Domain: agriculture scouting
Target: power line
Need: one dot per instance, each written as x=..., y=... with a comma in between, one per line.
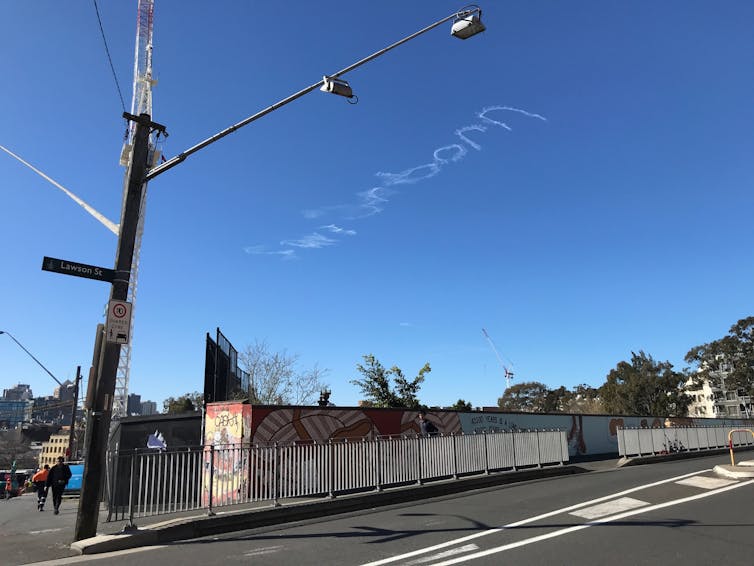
x=107, y=50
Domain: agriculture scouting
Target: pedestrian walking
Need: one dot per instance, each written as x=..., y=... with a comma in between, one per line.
x=8, y=486
x=40, y=483
x=57, y=479
x=426, y=426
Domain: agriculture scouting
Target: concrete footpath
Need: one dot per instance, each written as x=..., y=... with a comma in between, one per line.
x=114, y=536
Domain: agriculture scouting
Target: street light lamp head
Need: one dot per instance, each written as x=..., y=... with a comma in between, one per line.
x=337, y=86
x=468, y=22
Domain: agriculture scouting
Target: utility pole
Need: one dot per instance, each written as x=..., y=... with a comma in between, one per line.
x=71, y=453
x=104, y=388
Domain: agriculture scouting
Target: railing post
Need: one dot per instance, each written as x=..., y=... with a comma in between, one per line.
x=418, y=460
x=621, y=435
x=513, y=445
x=486, y=455
x=561, y=436
x=114, y=459
x=455, y=457
x=638, y=439
x=275, y=475
x=131, y=526
x=378, y=463
x=330, y=470
x=539, y=452
x=211, y=479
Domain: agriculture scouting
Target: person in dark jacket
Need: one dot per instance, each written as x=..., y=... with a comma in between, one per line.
x=57, y=479
x=426, y=426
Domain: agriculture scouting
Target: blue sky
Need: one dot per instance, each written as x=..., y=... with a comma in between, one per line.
x=612, y=214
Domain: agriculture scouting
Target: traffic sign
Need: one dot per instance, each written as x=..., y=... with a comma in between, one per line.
x=78, y=269
x=118, y=327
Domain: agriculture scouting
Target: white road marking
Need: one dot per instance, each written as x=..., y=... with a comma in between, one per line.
x=529, y=520
x=568, y=530
x=45, y=531
x=609, y=508
x=706, y=482
x=446, y=554
x=264, y=550
x=92, y=557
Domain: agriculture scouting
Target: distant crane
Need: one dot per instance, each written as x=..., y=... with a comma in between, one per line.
x=141, y=103
x=508, y=373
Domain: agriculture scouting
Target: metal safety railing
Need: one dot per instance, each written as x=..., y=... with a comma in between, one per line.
x=655, y=441
x=730, y=440
x=147, y=482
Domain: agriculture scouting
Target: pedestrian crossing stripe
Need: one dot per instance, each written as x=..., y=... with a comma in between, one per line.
x=705, y=482
x=609, y=508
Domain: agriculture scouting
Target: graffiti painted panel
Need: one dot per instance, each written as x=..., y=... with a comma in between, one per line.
x=226, y=426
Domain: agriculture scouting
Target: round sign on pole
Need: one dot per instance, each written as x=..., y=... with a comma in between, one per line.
x=119, y=310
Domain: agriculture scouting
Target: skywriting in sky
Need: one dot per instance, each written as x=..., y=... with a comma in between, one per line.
x=374, y=200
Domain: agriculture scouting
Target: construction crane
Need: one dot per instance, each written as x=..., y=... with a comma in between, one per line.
x=141, y=102
x=507, y=372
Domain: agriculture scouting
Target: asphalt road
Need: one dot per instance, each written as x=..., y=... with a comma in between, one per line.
x=27, y=535
x=666, y=513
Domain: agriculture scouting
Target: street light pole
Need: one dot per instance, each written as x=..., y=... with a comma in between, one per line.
x=467, y=23
x=104, y=388
x=471, y=13
x=71, y=436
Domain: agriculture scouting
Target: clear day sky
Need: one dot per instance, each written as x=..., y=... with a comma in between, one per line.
x=612, y=214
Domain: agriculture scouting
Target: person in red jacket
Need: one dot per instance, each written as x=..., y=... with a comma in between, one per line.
x=40, y=482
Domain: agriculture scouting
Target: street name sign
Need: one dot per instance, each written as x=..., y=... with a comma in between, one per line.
x=118, y=325
x=78, y=269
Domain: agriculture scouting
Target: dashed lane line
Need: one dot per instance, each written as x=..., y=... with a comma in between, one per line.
x=446, y=554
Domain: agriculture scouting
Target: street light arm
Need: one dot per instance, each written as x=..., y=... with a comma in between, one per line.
x=170, y=163
x=32, y=356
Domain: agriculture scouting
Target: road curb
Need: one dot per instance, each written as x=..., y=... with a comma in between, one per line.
x=200, y=526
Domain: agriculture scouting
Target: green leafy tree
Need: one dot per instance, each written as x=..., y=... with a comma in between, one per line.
x=584, y=399
x=730, y=358
x=645, y=387
x=528, y=396
x=186, y=403
x=376, y=386
x=461, y=405
x=556, y=400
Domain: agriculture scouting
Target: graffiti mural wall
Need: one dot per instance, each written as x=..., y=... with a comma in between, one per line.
x=587, y=434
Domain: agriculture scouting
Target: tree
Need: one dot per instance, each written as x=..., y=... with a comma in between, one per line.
x=645, y=387
x=13, y=447
x=275, y=379
x=461, y=405
x=584, y=399
x=186, y=403
x=376, y=386
x=528, y=396
x=730, y=358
